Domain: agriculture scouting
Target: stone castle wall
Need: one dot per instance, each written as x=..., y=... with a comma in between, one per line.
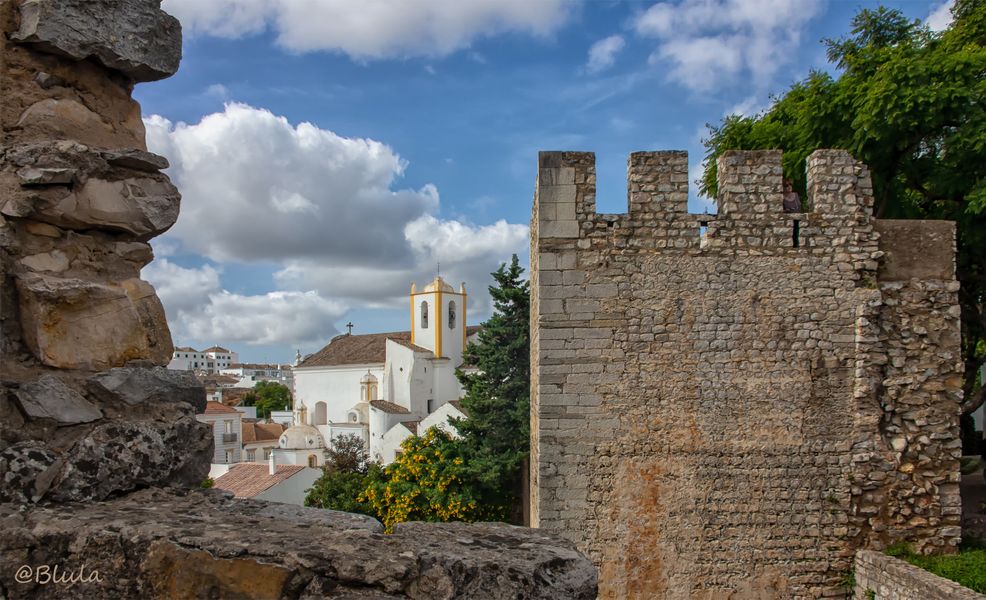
x=738, y=412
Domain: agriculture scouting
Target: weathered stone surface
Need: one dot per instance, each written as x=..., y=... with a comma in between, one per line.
x=880, y=576
x=143, y=207
x=155, y=385
x=46, y=175
x=50, y=398
x=65, y=118
x=201, y=545
x=133, y=158
x=134, y=37
x=77, y=324
x=28, y=469
x=732, y=413
x=121, y=456
x=89, y=439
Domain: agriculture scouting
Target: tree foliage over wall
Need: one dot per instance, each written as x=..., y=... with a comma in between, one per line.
x=909, y=103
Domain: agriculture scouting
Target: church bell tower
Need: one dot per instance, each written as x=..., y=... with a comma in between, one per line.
x=438, y=319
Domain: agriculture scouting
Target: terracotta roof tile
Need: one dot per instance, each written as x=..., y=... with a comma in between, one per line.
x=247, y=480
x=389, y=407
x=412, y=426
x=214, y=408
x=216, y=349
x=249, y=433
x=269, y=431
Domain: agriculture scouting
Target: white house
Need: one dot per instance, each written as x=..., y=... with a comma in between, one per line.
x=227, y=428
x=210, y=360
x=250, y=373
x=381, y=386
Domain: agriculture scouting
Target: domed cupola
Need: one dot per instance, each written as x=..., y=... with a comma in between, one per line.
x=300, y=437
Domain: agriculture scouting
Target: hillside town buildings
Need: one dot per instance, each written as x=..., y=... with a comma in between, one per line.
x=385, y=387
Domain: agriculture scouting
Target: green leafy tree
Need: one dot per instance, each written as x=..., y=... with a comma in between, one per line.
x=268, y=396
x=429, y=481
x=911, y=104
x=496, y=435
x=345, y=477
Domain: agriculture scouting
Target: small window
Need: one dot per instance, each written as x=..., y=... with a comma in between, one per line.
x=451, y=315
x=251, y=456
x=424, y=314
x=267, y=452
x=228, y=426
x=229, y=457
x=312, y=461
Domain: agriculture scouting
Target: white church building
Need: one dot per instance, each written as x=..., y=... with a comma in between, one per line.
x=384, y=387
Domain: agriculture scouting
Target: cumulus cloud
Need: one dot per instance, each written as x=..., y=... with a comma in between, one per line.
x=603, y=53
x=200, y=310
x=254, y=187
x=326, y=209
x=940, y=17
x=371, y=29
x=707, y=42
x=466, y=253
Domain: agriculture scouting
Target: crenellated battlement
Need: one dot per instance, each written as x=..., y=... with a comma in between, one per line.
x=730, y=405
x=750, y=200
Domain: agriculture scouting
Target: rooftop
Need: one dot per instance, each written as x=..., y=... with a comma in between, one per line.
x=247, y=480
x=261, y=432
x=370, y=348
x=216, y=349
x=217, y=408
x=389, y=407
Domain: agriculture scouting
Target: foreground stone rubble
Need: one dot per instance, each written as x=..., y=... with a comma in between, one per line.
x=100, y=451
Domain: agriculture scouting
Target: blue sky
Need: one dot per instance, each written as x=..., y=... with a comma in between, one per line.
x=331, y=152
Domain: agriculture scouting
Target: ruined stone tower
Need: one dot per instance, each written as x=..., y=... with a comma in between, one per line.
x=731, y=405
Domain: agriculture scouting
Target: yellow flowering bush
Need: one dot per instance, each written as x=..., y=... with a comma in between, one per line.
x=428, y=482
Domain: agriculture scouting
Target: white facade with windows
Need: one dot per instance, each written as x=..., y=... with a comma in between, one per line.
x=210, y=360
x=381, y=386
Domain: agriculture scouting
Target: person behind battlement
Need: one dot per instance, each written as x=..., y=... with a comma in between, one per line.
x=792, y=201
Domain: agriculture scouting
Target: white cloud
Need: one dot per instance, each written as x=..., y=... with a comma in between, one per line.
x=254, y=187
x=200, y=310
x=706, y=43
x=941, y=16
x=221, y=18
x=603, y=53
x=371, y=29
x=466, y=253
x=217, y=90
x=324, y=208
x=748, y=107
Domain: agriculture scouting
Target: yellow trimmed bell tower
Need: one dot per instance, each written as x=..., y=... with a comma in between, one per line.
x=438, y=319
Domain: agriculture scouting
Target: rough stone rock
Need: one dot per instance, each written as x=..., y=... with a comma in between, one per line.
x=132, y=158
x=28, y=468
x=48, y=81
x=63, y=118
x=123, y=456
x=134, y=37
x=143, y=207
x=46, y=175
x=50, y=398
x=155, y=385
x=76, y=324
x=160, y=543
x=55, y=261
